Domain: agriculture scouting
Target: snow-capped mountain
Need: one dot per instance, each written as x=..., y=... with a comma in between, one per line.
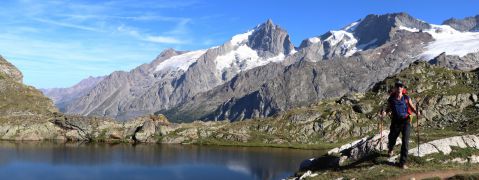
x=259, y=72
x=330, y=65
x=176, y=76
x=364, y=34
x=448, y=40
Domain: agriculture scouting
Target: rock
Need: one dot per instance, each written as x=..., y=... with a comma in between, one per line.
x=471, y=141
x=73, y=135
x=444, y=145
x=347, y=99
x=473, y=159
x=10, y=70
x=363, y=108
x=466, y=24
x=424, y=149
x=146, y=132
x=115, y=135
x=308, y=174
x=459, y=160
x=361, y=148
x=306, y=163
x=474, y=97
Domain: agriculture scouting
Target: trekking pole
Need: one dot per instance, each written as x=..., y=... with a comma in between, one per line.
x=417, y=126
x=381, y=130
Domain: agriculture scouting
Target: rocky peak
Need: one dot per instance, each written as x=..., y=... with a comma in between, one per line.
x=270, y=38
x=168, y=52
x=466, y=24
x=369, y=32
x=10, y=70
x=375, y=30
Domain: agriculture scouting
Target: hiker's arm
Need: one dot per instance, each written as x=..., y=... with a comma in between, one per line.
x=413, y=107
x=386, y=109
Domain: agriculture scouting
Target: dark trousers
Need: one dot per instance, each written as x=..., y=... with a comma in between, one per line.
x=401, y=126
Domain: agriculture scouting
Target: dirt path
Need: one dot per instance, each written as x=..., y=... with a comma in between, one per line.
x=443, y=174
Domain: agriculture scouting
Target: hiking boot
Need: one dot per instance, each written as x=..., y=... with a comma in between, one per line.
x=390, y=153
x=403, y=166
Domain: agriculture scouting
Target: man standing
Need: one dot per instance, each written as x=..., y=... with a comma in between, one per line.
x=399, y=106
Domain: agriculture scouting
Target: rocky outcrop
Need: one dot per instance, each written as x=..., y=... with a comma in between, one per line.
x=17, y=99
x=271, y=39
x=466, y=24
x=349, y=153
x=362, y=147
x=10, y=70
x=444, y=145
x=378, y=28
x=370, y=32
x=468, y=62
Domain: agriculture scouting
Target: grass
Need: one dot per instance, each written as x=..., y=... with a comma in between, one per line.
x=377, y=167
x=17, y=97
x=469, y=176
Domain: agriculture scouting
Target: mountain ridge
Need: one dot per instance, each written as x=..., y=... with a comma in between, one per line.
x=126, y=95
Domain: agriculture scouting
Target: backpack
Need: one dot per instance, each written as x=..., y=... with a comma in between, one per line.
x=409, y=109
x=407, y=99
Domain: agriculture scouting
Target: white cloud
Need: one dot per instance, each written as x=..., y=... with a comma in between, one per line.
x=163, y=39
x=150, y=38
x=68, y=25
x=71, y=40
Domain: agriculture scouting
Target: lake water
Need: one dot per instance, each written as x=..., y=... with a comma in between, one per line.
x=48, y=160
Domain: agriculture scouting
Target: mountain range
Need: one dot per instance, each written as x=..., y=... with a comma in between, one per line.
x=260, y=72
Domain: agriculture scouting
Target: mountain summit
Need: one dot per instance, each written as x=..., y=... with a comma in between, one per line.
x=175, y=76
x=270, y=38
x=259, y=73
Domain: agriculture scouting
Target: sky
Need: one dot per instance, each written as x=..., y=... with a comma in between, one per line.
x=57, y=43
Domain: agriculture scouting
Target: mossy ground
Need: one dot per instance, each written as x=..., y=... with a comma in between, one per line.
x=378, y=167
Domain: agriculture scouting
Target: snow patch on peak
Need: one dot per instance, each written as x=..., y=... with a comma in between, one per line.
x=348, y=42
x=243, y=58
x=448, y=40
x=180, y=62
x=351, y=27
x=314, y=40
x=408, y=29
x=293, y=51
x=240, y=38
x=338, y=36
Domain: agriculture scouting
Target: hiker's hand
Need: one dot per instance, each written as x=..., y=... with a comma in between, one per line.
x=383, y=113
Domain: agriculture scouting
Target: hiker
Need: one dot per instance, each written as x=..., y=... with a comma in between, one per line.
x=400, y=107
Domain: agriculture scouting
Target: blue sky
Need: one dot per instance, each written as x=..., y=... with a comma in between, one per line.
x=56, y=43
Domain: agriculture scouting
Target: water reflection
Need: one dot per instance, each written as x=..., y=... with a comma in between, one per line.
x=40, y=160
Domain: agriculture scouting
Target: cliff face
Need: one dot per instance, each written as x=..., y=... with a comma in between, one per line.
x=17, y=99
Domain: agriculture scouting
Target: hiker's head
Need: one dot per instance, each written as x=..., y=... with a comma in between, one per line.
x=398, y=86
